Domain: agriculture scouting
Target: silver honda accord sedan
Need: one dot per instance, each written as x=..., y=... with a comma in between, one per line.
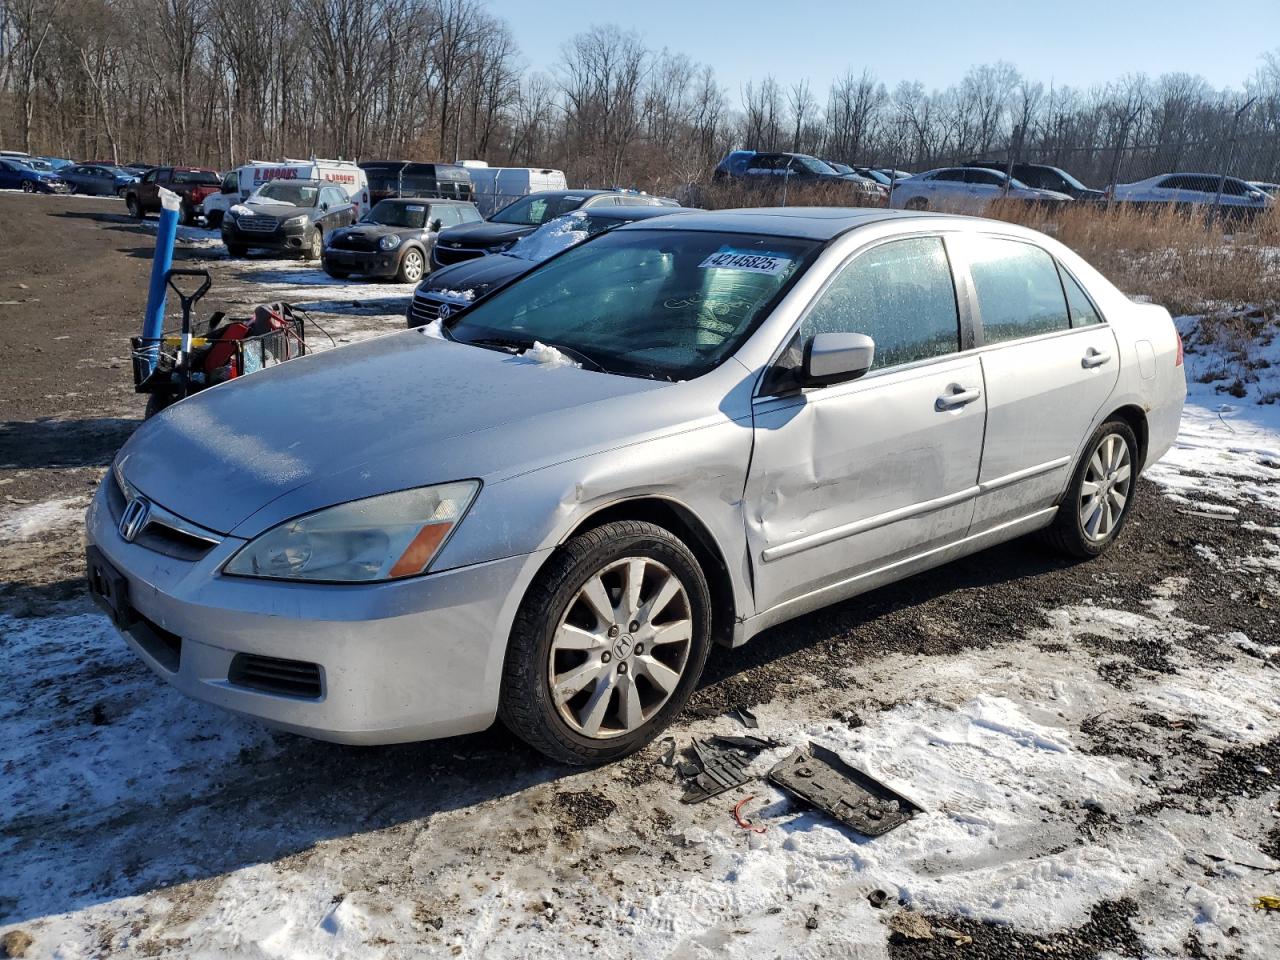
x=683, y=431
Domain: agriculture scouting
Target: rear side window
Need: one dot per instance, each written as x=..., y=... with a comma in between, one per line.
x=956, y=175
x=1019, y=293
x=1083, y=312
x=901, y=295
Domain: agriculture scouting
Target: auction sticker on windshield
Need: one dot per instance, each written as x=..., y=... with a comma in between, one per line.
x=750, y=262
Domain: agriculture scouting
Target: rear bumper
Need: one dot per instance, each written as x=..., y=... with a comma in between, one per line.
x=410, y=660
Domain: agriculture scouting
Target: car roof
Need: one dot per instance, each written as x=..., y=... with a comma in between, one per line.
x=433, y=201
x=636, y=212
x=807, y=223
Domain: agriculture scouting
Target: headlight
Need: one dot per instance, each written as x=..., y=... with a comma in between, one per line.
x=379, y=538
x=390, y=241
x=294, y=222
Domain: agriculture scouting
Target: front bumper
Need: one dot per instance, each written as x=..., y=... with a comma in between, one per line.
x=43, y=186
x=292, y=239
x=409, y=660
x=369, y=263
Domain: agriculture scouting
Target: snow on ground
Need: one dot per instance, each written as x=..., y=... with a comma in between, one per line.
x=32, y=520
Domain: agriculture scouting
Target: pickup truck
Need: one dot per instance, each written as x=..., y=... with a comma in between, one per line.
x=192, y=184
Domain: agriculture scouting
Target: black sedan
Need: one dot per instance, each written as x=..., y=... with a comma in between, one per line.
x=450, y=290
x=394, y=239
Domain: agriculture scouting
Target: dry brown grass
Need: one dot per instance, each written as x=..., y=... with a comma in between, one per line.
x=743, y=193
x=1189, y=263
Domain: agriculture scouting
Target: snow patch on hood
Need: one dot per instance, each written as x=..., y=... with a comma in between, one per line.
x=545, y=355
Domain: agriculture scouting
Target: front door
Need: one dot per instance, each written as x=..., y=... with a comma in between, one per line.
x=1049, y=363
x=850, y=478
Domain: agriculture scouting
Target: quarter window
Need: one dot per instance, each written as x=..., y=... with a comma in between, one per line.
x=901, y=295
x=1019, y=293
x=1083, y=312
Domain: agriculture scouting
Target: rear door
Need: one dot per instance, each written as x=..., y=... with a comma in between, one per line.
x=10, y=174
x=1049, y=363
x=847, y=479
x=984, y=186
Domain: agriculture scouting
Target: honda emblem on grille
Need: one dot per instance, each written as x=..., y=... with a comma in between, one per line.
x=445, y=311
x=136, y=514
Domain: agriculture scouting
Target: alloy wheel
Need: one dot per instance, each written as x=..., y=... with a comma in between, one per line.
x=412, y=266
x=620, y=648
x=1104, y=491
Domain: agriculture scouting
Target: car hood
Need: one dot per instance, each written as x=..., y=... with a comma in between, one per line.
x=281, y=210
x=482, y=234
x=477, y=276
x=375, y=230
x=388, y=414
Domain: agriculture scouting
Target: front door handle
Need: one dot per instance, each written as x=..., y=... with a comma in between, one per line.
x=956, y=397
x=1095, y=358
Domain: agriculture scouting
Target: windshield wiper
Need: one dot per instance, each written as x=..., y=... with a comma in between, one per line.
x=507, y=344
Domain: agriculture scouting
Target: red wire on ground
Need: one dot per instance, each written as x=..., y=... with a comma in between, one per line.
x=745, y=824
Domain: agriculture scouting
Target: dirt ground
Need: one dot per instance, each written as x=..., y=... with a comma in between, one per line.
x=476, y=846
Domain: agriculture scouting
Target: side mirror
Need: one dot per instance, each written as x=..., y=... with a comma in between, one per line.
x=324, y=208
x=836, y=358
x=435, y=225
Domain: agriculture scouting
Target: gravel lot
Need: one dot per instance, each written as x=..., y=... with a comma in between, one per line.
x=1095, y=744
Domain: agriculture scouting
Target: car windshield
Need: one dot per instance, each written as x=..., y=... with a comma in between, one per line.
x=875, y=175
x=412, y=216
x=652, y=303
x=282, y=191
x=118, y=171
x=534, y=211
x=41, y=165
x=1068, y=178
x=200, y=177
x=554, y=236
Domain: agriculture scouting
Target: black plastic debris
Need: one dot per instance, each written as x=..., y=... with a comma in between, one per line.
x=747, y=717
x=748, y=743
x=721, y=770
x=819, y=777
x=668, y=758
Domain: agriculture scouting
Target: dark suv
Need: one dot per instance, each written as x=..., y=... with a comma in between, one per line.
x=392, y=239
x=191, y=184
x=1041, y=176
x=406, y=178
x=287, y=216
x=523, y=217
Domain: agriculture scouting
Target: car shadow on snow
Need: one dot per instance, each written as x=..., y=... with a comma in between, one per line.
x=50, y=442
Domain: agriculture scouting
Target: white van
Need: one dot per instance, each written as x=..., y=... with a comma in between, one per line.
x=495, y=187
x=239, y=183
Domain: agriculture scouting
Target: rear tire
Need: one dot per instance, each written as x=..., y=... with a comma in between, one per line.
x=668, y=608
x=213, y=219
x=155, y=403
x=1101, y=494
x=917, y=203
x=135, y=208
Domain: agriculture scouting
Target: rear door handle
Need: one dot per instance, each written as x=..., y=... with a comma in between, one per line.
x=1095, y=358
x=957, y=396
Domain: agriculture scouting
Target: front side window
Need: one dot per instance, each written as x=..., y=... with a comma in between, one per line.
x=652, y=303
x=1018, y=290
x=986, y=178
x=901, y=295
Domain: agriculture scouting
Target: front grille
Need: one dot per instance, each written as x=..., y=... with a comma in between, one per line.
x=257, y=224
x=354, y=241
x=289, y=678
x=423, y=311
x=450, y=255
x=163, y=537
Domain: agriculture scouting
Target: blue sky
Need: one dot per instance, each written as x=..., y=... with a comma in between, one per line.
x=1073, y=42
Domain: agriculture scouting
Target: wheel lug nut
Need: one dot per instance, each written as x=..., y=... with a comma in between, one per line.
x=634, y=626
x=622, y=668
x=606, y=657
x=639, y=649
x=613, y=631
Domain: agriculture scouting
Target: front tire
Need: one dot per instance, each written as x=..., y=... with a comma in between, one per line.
x=1101, y=494
x=608, y=644
x=135, y=208
x=335, y=272
x=412, y=266
x=237, y=249
x=314, y=246
x=28, y=187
